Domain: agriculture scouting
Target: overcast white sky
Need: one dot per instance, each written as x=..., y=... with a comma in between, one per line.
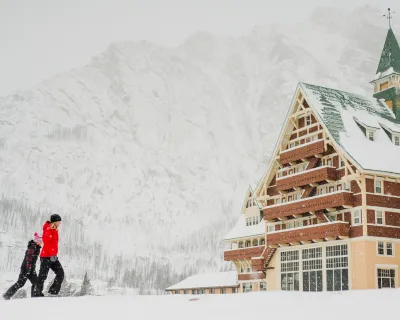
x=39, y=38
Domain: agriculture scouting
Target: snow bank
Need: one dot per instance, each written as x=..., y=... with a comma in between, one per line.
x=283, y=306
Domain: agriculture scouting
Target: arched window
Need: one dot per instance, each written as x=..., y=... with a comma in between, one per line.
x=241, y=244
x=248, y=243
x=255, y=243
x=262, y=242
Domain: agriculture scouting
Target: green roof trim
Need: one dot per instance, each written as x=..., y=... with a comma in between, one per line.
x=390, y=57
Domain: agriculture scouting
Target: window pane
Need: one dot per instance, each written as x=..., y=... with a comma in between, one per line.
x=337, y=279
x=306, y=281
x=296, y=281
x=283, y=282
x=329, y=280
x=385, y=283
x=345, y=279
x=319, y=280
x=313, y=281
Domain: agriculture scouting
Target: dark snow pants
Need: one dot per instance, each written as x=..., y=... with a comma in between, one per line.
x=45, y=265
x=23, y=277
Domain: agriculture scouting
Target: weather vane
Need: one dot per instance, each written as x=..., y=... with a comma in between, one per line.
x=389, y=17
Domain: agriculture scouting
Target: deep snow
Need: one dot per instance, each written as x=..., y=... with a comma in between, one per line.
x=372, y=304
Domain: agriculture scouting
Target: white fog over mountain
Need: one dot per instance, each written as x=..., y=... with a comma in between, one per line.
x=147, y=151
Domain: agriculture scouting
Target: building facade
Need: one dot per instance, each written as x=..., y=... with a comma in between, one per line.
x=326, y=214
x=207, y=283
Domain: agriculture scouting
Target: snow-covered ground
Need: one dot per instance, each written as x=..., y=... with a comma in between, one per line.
x=272, y=305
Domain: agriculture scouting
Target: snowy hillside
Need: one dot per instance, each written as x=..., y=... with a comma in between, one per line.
x=147, y=151
x=312, y=306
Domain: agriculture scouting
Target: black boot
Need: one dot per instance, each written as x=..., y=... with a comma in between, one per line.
x=6, y=297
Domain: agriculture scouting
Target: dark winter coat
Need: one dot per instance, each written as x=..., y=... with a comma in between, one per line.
x=31, y=255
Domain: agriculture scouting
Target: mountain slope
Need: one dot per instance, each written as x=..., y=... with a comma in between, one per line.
x=147, y=151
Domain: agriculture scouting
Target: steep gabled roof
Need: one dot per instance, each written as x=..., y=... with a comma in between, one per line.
x=390, y=57
x=337, y=109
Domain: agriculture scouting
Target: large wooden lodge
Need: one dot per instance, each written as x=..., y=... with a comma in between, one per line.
x=326, y=214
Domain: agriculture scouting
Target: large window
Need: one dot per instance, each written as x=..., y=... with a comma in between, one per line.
x=247, y=287
x=312, y=269
x=386, y=278
x=385, y=248
x=337, y=272
x=290, y=270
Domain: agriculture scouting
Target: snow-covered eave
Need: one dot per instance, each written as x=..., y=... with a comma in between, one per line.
x=245, y=237
x=388, y=72
x=366, y=126
x=385, y=127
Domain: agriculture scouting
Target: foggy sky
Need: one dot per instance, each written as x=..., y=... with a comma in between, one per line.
x=40, y=38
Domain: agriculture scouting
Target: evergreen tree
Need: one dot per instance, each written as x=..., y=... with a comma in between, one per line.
x=86, y=288
x=66, y=289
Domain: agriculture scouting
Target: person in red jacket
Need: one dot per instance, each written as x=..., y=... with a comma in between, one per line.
x=49, y=259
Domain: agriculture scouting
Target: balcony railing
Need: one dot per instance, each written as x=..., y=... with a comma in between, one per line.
x=306, y=177
x=245, y=253
x=331, y=200
x=302, y=151
x=328, y=231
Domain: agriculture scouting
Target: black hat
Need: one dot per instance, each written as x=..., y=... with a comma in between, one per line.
x=55, y=218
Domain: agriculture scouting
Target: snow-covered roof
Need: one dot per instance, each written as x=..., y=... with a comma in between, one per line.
x=338, y=110
x=242, y=231
x=208, y=280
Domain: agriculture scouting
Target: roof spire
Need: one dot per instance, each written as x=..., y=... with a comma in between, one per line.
x=389, y=16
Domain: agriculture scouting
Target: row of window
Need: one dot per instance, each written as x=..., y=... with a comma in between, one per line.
x=298, y=141
x=307, y=269
x=251, y=221
x=249, y=243
x=326, y=161
x=248, y=286
x=379, y=217
x=371, y=135
x=203, y=291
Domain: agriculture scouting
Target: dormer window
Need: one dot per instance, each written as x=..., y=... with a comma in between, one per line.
x=371, y=135
x=368, y=130
x=396, y=140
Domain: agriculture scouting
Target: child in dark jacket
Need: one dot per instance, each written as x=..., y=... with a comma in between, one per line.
x=28, y=267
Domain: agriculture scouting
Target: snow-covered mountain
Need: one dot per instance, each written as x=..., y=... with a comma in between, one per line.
x=147, y=151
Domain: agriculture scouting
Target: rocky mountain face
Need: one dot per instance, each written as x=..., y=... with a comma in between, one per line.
x=147, y=151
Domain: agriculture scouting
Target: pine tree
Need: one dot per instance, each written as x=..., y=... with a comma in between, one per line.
x=66, y=289
x=86, y=288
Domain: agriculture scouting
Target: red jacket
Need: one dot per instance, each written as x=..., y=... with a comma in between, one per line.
x=50, y=241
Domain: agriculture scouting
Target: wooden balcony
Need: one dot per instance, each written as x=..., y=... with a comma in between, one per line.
x=245, y=253
x=301, y=152
x=306, y=177
x=257, y=264
x=298, y=207
x=327, y=231
x=250, y=276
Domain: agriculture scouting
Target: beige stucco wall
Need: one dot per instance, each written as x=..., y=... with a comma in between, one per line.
x=365, y=261
x=272, y=274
